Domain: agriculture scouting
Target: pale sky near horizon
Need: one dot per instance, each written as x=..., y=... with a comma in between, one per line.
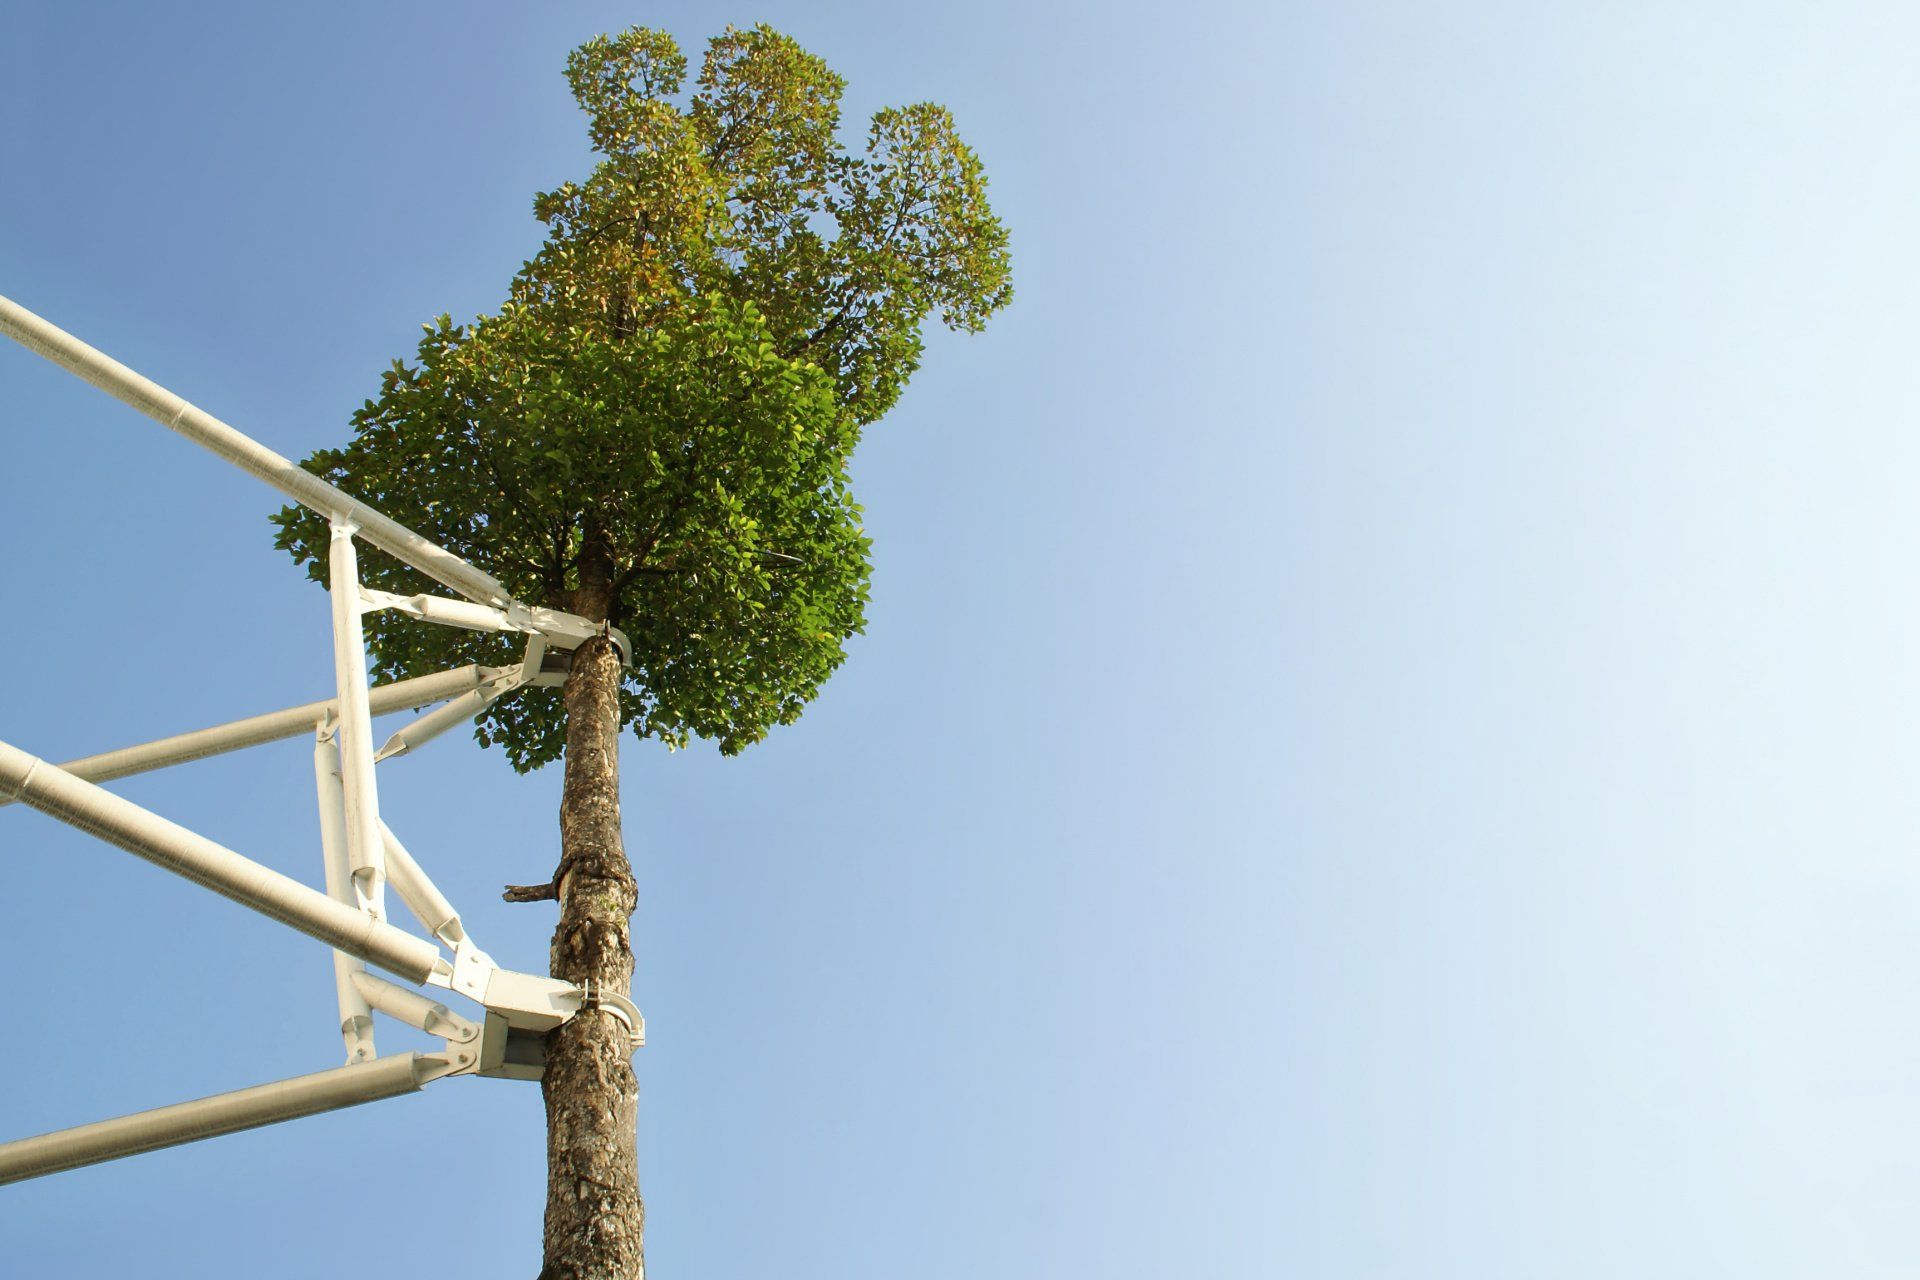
x=1383, y=747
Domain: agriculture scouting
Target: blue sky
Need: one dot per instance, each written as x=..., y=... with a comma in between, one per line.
x=1384, y=742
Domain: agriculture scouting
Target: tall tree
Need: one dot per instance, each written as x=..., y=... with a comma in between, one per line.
x=653, y=431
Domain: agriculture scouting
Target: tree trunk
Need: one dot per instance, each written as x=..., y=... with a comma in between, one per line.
x=594, y=1215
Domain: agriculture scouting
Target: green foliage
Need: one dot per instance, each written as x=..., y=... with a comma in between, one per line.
x=655, y=427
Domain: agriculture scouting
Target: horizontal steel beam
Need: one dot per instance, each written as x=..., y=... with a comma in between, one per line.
x=169, y=410
x=223, y=1113
x=274, y=726
x=59, y=794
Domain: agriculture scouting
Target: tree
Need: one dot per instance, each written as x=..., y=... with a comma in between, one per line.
x=653, y=431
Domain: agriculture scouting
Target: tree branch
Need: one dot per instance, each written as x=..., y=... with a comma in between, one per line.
x=825, y=329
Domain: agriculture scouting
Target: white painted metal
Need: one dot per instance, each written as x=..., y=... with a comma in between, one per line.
x=355, y=733
x=309, y=490
x=120, y=822
x=530, y=1001
x=460, y=710
x=624, y=1011
x=415, y=1009
x=522, y=1009
x=356, y=1017
x=452, y=613
x=45, y=338
x=429, y=906
x=553, y=624
x=472, y=967
x=570, y=629
x=224, y=1113
x=357, y=846
x=385, y=699
x=532, y=662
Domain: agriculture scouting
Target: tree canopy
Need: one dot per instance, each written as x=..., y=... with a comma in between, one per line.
x=654, y=428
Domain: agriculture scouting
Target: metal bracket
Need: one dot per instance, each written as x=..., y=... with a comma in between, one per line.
x=360, y=852
x=472, y=967
x=596, y=996
x=520, y=1009
x=533, y=662
x=461, y=1060
x=523, y=1007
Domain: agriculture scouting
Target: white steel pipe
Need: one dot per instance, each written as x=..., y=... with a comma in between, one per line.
x=414, y=1009
x=356, y=724
x=120, y=822
x=309, y=490
x=356, y=1017
x=385, y=699
x=460, y=710
x=429, y=906
x=223, y=1113
x=463, y=614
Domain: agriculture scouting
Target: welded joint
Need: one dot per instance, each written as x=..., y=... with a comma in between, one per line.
x=19, y=788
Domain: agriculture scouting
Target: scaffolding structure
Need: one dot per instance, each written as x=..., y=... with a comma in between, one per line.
x=362, y=857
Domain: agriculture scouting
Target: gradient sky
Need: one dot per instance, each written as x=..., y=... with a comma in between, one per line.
x=1384, y=744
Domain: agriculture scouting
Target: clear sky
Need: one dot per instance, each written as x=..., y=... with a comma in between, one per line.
x=1384, y=744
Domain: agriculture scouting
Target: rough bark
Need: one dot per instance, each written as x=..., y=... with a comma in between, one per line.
x=594, y=1214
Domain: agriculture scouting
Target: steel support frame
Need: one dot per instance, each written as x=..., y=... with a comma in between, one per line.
x=361, y=854
x=224, y=1113
x=274, y=726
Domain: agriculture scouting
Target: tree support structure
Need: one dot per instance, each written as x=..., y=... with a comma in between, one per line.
x=361, y=855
